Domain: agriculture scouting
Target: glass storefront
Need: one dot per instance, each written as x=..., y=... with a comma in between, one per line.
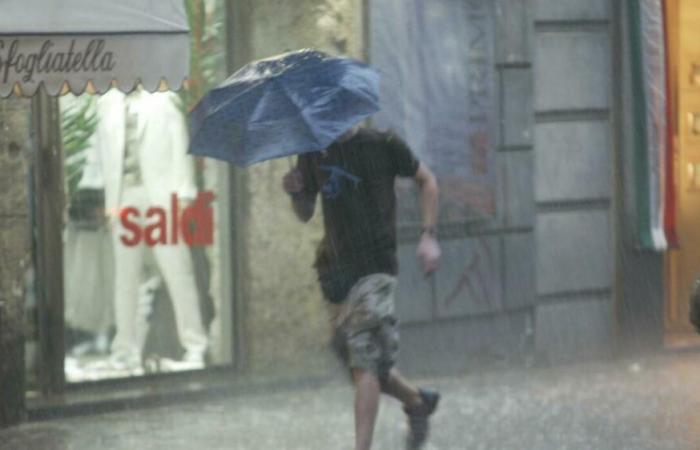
x=141, y=241
x=145, y=228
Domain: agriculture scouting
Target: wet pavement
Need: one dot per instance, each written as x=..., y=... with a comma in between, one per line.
x=650, y=403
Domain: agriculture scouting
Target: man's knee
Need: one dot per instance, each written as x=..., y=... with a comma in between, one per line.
x=362, y=376
x=363, y=352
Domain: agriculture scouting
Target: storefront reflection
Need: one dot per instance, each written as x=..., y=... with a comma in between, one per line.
x=136, y=302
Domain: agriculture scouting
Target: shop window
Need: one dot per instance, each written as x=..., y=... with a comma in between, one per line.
x=145, y=227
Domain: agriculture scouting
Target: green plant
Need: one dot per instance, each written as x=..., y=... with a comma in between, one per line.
x=207, y=48
x=78, y=123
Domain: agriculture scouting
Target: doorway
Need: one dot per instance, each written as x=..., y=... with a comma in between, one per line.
x=683, y=264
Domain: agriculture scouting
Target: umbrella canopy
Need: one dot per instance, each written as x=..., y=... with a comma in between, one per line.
x=76, y=42
x=293, y=103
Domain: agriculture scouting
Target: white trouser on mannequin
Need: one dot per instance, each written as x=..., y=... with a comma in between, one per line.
x=175, y=265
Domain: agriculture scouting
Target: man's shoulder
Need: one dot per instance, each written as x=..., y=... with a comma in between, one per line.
x=377, y=136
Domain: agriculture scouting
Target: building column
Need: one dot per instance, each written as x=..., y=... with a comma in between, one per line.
x=15, y=256
x=574, y=160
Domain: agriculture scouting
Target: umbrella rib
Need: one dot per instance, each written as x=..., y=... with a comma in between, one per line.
x=237, y=97
x=301, y=110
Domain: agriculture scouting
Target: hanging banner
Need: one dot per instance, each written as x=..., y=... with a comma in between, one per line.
x=669, y=180
x=654, y=57
x=653, y=172
x=437, y=66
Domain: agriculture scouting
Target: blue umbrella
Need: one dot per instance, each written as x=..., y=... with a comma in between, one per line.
x=293, y=103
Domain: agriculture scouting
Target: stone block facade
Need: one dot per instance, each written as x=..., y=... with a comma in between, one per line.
x=284, y=318
x=15, y=256
x=574, y=156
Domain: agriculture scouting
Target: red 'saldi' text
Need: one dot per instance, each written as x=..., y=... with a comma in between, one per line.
x=194, y=225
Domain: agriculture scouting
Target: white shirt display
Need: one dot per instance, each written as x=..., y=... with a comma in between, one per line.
x=161, y=138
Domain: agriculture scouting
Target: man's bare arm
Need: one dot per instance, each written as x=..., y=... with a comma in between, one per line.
x=429, y=197
x=428, y=252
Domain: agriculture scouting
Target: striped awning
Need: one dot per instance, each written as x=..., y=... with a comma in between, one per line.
x=79, y=45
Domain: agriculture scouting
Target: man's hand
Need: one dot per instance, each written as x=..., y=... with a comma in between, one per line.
x=428, y=248
x=293, y=182
x=302, y=203
x=428, y=253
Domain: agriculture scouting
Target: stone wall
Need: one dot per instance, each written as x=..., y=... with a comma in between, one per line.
x=285, y=317
x=284, y=311
x=14, y=254
x=475, y=332
x=574, y=160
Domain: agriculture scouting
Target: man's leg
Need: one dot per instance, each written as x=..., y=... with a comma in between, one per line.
x=360, y=341
x=366, y=406
x=399, y=388
x=353, y=353
x=418, y=404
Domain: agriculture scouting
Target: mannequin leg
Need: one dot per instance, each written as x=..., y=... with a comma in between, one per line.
x=175, y=264
x=128, y=267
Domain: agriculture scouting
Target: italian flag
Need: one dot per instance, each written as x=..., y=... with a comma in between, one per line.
x=653, y=140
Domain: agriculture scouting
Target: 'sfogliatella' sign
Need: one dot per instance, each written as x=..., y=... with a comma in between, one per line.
x=24, y=64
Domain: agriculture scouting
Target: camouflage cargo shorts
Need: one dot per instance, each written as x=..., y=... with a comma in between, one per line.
x=365, y=328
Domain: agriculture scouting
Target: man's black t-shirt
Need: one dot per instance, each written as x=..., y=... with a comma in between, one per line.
x=356, y=181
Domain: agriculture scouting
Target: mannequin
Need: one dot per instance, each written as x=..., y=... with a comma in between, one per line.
x=143, y=139
x=89, y=270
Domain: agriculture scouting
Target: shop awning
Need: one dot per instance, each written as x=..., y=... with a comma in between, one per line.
x=73, y=44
